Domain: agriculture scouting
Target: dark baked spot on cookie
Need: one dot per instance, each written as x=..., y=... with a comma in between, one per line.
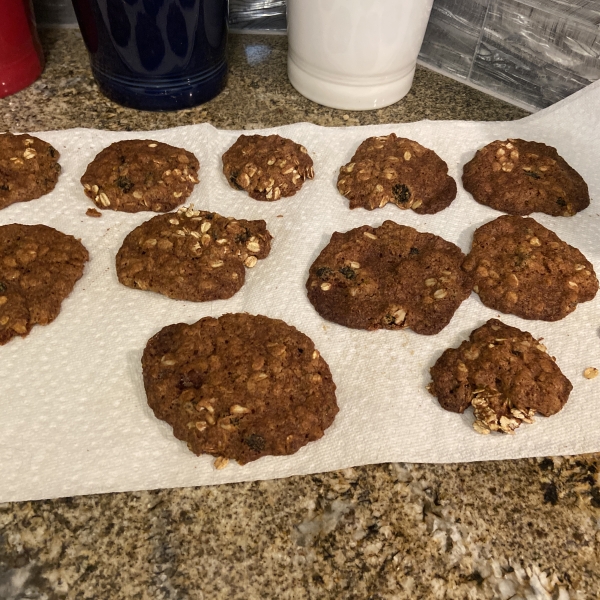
x=348, y=272
x=401, y=193
x=532, y=174
x=560, y=202
x=413, y=251
x=255, y=442
x=124, y=183
x=2, y=287
x=324, y=272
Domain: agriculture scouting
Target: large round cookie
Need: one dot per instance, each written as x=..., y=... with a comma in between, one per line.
x=522, y=268
x=389, y=277
x=504, y=373
x=389, y=169
x=39, y=267
x=28, y=168
x=520, y=177
x=239, y=387
x=135, y=175
x=267, y=167
x=192, y=255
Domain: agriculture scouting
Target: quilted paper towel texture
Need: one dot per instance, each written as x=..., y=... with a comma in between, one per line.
x=74, y=416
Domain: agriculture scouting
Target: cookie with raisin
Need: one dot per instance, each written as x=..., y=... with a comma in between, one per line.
x=192, y=255
x=504, y=373
x=391, y=169
x=389, y=277
x=137, y=175
x=39, y=267
x=519, y=177
x=239, y=387
x=522, y=268
x=267, y=167
x=29, y=168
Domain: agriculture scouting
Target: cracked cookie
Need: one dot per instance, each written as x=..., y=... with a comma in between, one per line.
x=39, y=267
x=522, y=268
x=504, y=373
x=28, y=168
x=136, y=175
x=389, y=277
x=267, y=167
x=239, y=387
x=192, y=255
x=520, y=177
x=389, y=169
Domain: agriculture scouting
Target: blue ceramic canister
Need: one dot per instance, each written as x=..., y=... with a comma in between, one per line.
x=156, y=54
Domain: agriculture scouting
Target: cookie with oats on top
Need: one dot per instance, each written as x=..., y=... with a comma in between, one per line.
x=504, y=373
x=137, y=175
x=267, y=167
x=394, y=170
x=522, y=268
x=239, y=387
x=389, y=277
x=29, y=168
x=192, y=255
x=519, y=177
x=39, y=267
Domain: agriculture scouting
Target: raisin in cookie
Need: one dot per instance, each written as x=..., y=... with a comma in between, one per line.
x=522, y=268
x=239, y=387
x=268, y=168
x=520, y=177
x=192, y=255
x=28, y=168
x=135, y=175
x=39, y=267
x=397, y=170
x=504, y=373
x=389, y=277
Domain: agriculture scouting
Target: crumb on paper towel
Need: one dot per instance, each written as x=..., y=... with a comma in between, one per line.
x=92, y=212
x=590, y=373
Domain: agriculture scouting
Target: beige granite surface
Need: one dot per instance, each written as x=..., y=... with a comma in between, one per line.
x=525, y=529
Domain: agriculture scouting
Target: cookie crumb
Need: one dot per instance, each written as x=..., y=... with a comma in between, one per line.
x=92, y=212
x=590, y=373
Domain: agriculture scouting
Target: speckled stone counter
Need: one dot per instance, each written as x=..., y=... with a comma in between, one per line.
x=515, y=529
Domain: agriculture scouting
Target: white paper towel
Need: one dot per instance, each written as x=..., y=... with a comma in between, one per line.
x=73, y=416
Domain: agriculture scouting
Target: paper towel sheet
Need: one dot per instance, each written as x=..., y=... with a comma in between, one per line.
x=73, y=415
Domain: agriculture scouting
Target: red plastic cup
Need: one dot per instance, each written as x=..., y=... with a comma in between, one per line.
x=21, y=58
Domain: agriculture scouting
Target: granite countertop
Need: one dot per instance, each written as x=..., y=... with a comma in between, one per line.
x=511, y=529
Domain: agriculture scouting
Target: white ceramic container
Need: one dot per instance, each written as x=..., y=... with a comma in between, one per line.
x=355, y=54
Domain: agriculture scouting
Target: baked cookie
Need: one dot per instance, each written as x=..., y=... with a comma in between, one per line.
x=397, y=170
x=504, y=373
x=389, y=277
x=239, y=387
x=267, y=167
x=39, y=267
x=28, y=168
x=522, y=268
x=520, y=177
x=192, y=255
x=135, y=175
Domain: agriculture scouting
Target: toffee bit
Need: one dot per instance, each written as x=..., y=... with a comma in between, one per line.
x=590, y=373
